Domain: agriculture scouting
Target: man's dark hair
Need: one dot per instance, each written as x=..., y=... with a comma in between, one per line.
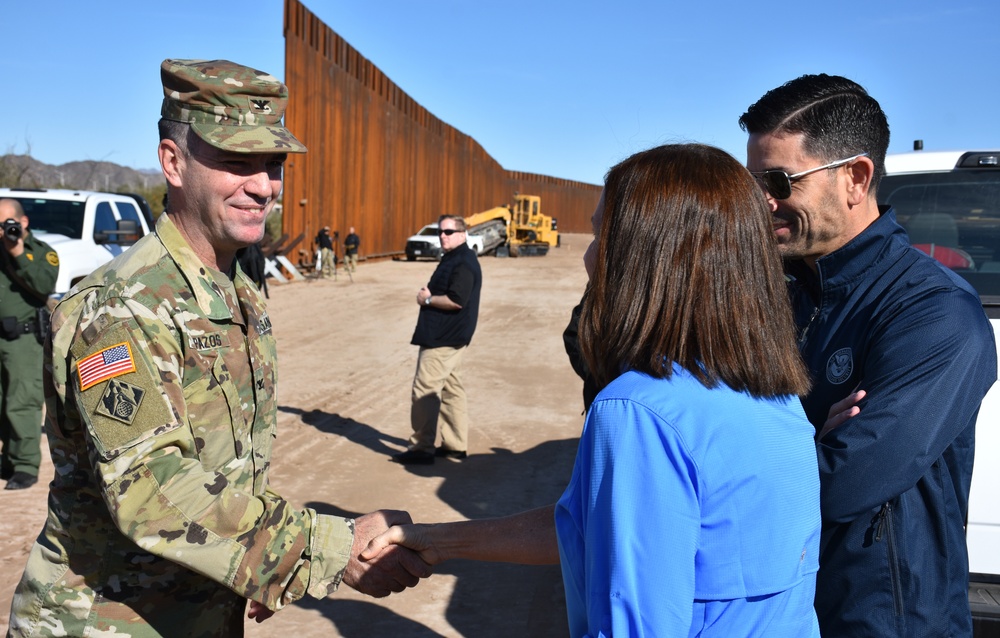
x=687, y=272
x=836, y=117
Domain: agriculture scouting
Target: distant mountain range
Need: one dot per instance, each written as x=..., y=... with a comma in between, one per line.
x=24, y=171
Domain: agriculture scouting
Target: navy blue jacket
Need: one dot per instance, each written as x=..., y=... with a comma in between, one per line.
x=883, y=317
x=458, y=277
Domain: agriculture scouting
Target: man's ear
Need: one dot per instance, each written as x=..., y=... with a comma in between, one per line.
x=172, y=162
x=859, y=176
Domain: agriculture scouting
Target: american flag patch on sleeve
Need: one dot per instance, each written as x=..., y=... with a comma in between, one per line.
x=105, y=364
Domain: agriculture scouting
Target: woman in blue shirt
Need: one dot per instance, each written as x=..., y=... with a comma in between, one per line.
x=693, y=507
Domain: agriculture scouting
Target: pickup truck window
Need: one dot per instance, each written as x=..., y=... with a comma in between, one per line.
x=953, y=216
x=128, y=211
x=54, y=216
x=104, y=220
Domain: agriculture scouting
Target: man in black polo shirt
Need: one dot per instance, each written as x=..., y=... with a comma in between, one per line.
x=449, y=308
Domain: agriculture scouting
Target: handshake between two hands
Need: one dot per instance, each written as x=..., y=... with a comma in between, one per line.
x=389, y=554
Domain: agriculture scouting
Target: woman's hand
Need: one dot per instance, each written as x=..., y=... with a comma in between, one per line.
x=841, y=412
x=419, y=538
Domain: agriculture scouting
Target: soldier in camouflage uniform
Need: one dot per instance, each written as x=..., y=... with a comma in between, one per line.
x=28, y=271
x=161, y=407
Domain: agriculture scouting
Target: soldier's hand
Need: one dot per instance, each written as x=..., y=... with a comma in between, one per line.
x=393, y=569
x=259, y=612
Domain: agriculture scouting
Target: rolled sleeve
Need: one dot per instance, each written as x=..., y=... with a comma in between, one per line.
x=461, y=284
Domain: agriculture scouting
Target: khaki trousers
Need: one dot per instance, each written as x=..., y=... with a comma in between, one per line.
x=438, y=391
x=328, y=263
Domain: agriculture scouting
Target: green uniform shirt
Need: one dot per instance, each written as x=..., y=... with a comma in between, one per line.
x=161, y=416
x=26, y=281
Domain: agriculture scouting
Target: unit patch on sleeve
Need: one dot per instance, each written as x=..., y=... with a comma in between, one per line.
x=120, y=401
x=111, y=362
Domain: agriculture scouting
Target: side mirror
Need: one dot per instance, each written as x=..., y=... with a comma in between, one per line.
x=126, y=233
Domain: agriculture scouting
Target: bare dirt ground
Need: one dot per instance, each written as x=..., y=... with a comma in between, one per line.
x=344, y=384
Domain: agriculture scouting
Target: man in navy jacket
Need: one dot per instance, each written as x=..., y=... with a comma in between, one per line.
x=901, y=354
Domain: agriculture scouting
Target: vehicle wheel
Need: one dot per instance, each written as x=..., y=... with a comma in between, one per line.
x=411, y=258
x=530, y=236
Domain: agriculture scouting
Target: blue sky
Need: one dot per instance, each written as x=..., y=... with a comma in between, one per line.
x=559, y=88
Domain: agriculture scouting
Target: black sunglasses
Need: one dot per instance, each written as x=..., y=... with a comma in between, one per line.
x=449, y=231
x=779, y=183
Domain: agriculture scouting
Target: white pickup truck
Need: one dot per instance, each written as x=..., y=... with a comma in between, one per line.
x=949, y=203
x=427, y=243
x=86, y=229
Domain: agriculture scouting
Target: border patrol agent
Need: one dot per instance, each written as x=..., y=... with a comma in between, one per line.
x=28, y=271
x=161, y=410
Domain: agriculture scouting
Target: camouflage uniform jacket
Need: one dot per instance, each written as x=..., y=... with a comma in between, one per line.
x=161, y=415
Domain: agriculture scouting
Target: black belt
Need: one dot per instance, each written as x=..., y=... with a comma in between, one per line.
x=11, y=329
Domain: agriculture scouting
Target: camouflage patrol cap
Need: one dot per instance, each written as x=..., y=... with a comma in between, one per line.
x=228, y=105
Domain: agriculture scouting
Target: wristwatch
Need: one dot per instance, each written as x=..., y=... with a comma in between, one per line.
x=427, y=301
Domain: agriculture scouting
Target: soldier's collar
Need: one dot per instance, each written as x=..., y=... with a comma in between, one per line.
x=202, y=281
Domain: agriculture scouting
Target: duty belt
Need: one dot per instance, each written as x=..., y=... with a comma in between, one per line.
x=11, y=328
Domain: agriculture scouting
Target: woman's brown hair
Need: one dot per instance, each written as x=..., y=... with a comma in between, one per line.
x=688, y=272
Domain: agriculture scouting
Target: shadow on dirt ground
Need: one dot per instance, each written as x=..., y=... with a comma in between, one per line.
x=484, y=485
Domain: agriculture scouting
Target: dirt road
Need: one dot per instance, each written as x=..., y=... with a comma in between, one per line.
x=344, y=381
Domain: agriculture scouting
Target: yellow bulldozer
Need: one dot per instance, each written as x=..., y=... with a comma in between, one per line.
x=518, y=230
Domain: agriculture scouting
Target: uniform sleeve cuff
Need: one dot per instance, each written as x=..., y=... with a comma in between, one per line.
x=330, y=550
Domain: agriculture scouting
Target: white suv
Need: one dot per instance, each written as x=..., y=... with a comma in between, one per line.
x=86, y=229
x=949, y=204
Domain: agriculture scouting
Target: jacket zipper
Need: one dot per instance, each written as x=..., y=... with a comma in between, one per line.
x=885, y=524
x=805, y=330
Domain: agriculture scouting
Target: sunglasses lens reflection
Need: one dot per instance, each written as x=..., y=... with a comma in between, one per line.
x=776, y=183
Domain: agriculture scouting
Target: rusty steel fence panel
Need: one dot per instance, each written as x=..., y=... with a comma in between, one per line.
x=381, y=162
